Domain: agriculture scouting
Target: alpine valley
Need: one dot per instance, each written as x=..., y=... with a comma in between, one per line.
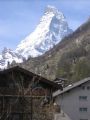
x=53, y=50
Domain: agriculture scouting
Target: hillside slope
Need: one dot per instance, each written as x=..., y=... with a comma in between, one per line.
x=69, y=59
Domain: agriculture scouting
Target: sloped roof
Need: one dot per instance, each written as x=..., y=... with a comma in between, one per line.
x=70, y=87
x=41, y=79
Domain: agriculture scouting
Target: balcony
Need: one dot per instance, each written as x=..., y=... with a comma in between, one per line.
x=22, y=92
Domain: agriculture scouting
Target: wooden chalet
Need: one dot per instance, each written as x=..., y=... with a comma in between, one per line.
x=22, y=93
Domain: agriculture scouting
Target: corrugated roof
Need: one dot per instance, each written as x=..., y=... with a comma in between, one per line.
x=70, y=87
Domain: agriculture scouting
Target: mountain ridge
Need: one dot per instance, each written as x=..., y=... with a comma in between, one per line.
x=67, y=58
x=49, y=32
x=8, y=56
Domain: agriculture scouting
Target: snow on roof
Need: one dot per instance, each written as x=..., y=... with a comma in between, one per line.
x=70, y=87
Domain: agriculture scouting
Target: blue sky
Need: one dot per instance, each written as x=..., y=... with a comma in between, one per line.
x=18, y=18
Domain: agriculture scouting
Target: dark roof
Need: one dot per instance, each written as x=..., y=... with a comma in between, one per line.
x=41, y=79
x=70, y=87
x=60, y=79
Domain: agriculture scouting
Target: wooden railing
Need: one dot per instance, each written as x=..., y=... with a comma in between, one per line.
x=8, y=91
x=13, y=91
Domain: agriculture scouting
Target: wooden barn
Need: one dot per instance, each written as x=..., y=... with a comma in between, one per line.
x=23, y=93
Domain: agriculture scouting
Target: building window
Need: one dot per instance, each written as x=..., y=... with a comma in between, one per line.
x=83, y=119
x=83, y=109
x=82, y=97
x=88, y=87
x=11, y=85
x=14, y=117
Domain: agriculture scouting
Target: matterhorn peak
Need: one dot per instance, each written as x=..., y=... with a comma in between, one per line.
x=53, y=10
x=50, y=8
x=49, y=32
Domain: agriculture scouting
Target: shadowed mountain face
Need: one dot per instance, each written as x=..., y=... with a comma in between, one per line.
x=68, y=59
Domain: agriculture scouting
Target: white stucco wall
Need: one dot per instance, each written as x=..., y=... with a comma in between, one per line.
x=71, y=104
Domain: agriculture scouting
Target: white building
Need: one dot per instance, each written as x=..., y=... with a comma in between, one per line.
x=74, y=100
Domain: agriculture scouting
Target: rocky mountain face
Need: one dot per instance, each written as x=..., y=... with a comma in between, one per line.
x=49, y=32
x=69, y=59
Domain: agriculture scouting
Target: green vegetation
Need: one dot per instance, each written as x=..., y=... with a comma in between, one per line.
x=74, y=65
x=69, y=59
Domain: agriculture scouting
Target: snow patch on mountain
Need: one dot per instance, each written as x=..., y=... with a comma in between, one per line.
x=49, y=32
x=8, y=56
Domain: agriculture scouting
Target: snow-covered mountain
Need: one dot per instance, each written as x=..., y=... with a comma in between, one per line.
x=49, y=32
x=8, y=56
x=51, y=29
